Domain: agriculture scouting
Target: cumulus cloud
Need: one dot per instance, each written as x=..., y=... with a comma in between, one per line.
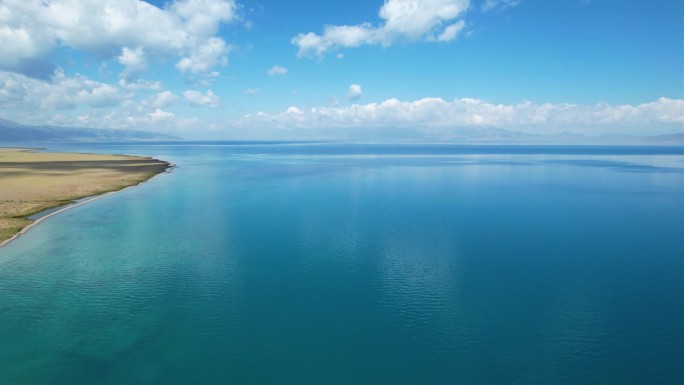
x=78, y=101
x=201, y=18
x=158, y=115
x=160, y=100
x=97, y=95
x=451, y=31
x=133, y=61
x=410, y=20
x=131, y=115
x=437, y=113
x=354, y=92
x=30, y=30
x=21, y=93
x=277, y=70
x=158, y=120
x=197, y=99
x=205, y=57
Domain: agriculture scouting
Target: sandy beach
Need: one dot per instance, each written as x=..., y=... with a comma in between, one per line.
x=33, y=181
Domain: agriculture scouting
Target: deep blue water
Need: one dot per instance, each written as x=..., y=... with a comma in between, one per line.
x=352, y=264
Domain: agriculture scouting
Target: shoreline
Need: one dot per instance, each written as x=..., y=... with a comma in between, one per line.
x=80, y=202
x=52, y=211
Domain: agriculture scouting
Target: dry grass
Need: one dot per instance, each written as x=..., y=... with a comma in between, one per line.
x=31, y=182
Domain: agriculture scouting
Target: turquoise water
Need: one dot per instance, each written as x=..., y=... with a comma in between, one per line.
x=352, y=264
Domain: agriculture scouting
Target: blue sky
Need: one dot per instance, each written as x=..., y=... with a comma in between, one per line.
x=289, y=69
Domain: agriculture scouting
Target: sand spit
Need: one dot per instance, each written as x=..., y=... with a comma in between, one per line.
x=32, y=182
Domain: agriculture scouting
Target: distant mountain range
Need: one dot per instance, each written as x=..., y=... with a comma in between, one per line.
x=490, y=135
x=500, y=136
x=15, y=132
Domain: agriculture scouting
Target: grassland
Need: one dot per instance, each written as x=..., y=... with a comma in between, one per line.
x=32, y=181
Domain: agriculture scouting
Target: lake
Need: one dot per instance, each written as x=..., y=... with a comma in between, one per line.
x=313, y=263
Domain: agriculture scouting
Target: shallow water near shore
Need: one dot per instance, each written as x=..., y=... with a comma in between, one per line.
x=332, y=263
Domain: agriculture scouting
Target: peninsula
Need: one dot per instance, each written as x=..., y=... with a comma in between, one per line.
x=31, y=181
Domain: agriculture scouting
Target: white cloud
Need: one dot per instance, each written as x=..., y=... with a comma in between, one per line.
x=490, y=5
x=411, y=20
x=434, y=113
x=145, y=105
x=252, y=91
x=158, y=115
x=451, y=31
x=140, y=85
x=157, y=120
x=133, y=61
x=160, y=100
x=130, y=115
x=98, y=95
x=354, y=92
x=277, y=70
x=203, y=17
x=205, y=57
x=30, y=30
x=19, y=93
x=197, y=99
x=292, y=110
x=416, y=18
x=78, y=101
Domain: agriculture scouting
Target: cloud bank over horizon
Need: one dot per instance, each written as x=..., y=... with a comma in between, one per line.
x=435, y=114
x=427, y=117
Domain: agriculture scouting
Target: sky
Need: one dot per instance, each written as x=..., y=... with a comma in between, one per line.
x=311, y=69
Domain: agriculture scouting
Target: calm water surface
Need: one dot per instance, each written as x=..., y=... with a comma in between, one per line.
x=352, y=264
